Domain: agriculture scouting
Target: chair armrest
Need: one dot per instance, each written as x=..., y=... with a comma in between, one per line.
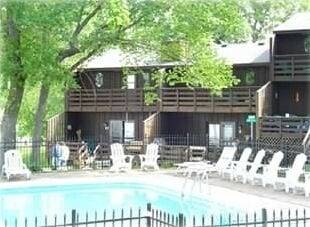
x=283, y=169
x=250, y=164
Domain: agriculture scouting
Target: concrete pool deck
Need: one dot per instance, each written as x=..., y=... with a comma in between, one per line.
x=250, y=196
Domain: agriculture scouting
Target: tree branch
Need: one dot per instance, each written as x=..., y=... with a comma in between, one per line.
x=94, y=50
x=83, y=59
x=72, y=49
x=80, y=26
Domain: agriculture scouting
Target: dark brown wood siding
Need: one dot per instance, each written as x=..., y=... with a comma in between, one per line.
x=111, y=79
x=290, y=43
x=198, y=123
x=261, y=73
x=92, y=124
x=292, y=98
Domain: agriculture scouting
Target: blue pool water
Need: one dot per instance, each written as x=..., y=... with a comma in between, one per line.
x=59, y=200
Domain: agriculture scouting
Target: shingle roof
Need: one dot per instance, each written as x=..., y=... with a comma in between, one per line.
x=115, y=58
x=244, y=53
x=298, y=22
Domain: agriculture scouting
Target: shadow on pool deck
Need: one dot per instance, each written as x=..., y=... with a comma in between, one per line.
x=269, y=193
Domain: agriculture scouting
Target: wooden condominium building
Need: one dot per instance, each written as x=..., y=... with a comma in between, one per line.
x=274, y=86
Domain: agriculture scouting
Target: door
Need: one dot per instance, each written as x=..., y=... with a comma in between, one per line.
x=228, y=132
x=116, y=131
x=214, y=134
x=122, y=131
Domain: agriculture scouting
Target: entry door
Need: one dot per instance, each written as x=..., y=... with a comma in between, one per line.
x=122, y=131
x=228, y=130
x=116, y=131
x=214, y=134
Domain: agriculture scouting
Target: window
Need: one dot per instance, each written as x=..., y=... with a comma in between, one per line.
x=99, y=80
x=146, y=78
x=131, y=82
x=247, y=77
x=129, y=131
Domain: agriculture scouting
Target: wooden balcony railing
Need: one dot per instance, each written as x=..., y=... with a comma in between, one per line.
x=239, y=100
x=284, y=126
x=292, y=67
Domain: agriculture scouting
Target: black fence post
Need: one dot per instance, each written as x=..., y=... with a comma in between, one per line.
x=264, y=217
x=149, y=213
x=181, y=220
x=207, y=146
x=73, y=218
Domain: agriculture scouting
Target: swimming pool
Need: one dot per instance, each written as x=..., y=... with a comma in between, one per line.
x=58, y=200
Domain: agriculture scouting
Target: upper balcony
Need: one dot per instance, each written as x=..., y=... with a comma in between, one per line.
x=235, y=100
x=294, y=67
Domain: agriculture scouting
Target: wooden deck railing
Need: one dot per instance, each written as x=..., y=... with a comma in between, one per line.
x=292, y=67
x=239, y=100
x=284, y=126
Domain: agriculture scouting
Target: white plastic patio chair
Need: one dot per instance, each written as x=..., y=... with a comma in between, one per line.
x=248, y=174
x=14, y=166
x=149, y=160
x=120, y=161
x=270, y=171
x=236, y=167
x=305, y=185
x=290, y=181
x=225, y=159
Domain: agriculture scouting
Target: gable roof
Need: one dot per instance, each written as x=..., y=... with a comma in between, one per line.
x=297, y=22
x=244, y=53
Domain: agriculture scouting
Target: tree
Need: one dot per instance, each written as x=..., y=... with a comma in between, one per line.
x=56, y=37
x=264, y=15
x=12, y=70
x=121, y=20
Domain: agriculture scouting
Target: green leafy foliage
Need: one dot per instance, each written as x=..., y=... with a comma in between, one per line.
x=264, y=15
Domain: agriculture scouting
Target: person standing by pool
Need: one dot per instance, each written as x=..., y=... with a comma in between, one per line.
x=64, y=156
x=56, y=150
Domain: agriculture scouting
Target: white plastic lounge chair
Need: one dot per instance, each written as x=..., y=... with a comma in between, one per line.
x=225, y=159
x=248, y=174
x=290, y=181
x=13, y=165
x=270, y=172
x=119, y=159
x=235, y=167
x=150, y=158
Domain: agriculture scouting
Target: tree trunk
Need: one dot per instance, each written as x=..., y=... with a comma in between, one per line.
x=38, y=123
x=9, y=119
x=16, y=90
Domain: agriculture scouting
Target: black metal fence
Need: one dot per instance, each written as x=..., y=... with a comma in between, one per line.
x=39, y=156
x=151, y=217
